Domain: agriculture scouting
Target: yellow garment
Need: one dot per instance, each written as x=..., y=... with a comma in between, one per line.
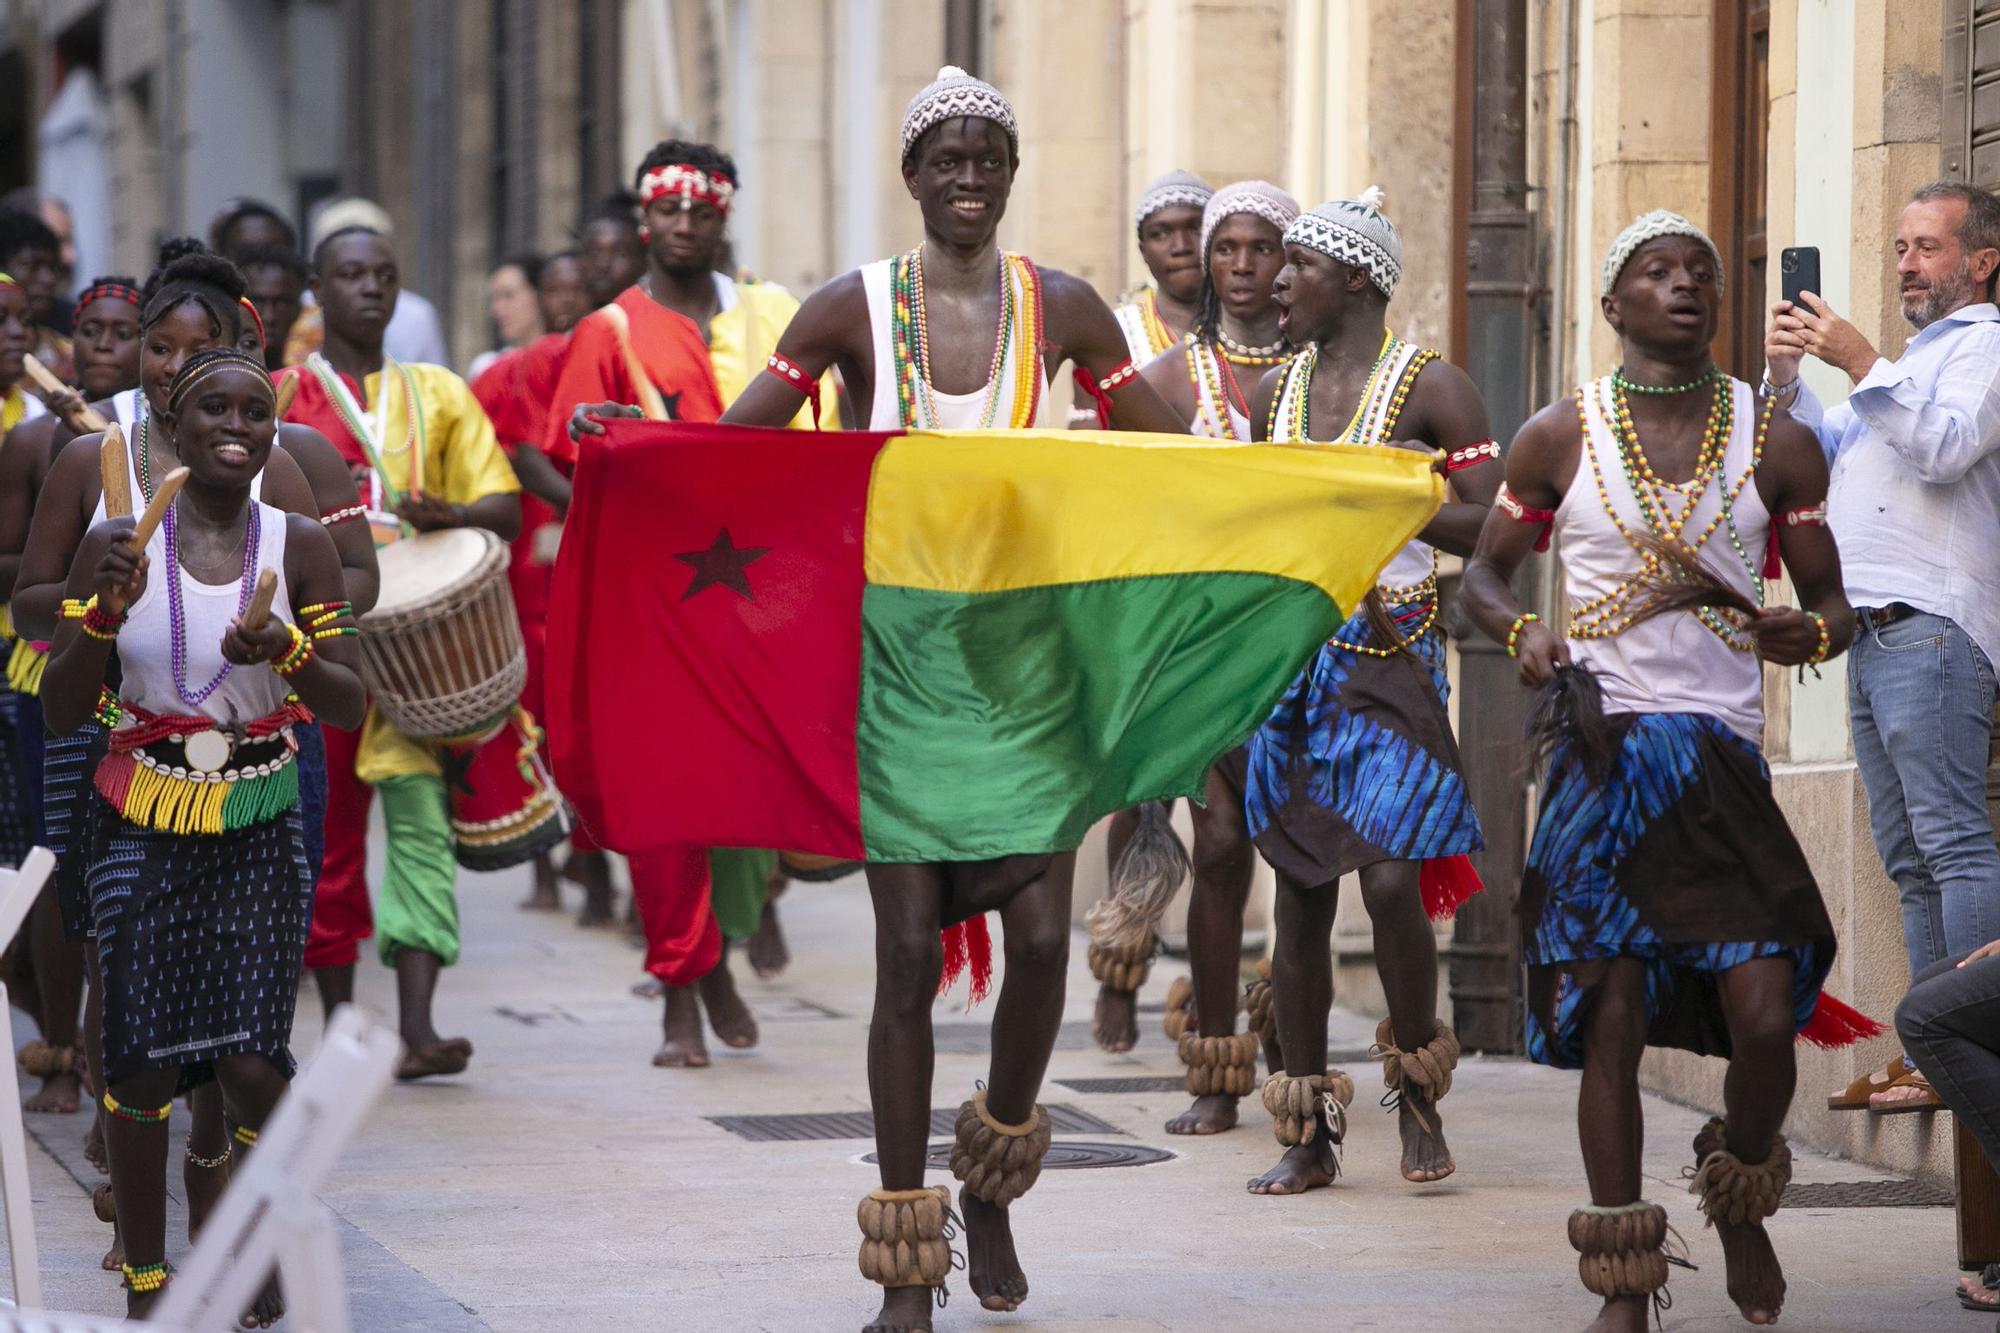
x=307, y=335
x=741, y=340
x=462, y=462
x=13, y=409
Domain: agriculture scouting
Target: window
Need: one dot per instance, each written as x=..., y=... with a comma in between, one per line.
x=1740, y=178
x=1969, y=130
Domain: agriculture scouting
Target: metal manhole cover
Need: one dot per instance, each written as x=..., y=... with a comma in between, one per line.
x=1868, y=1194
x=1068, y=1155
x=1149, y=1084
x=861, y=1124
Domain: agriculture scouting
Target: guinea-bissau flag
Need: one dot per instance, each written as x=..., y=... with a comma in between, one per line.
x=938, y=646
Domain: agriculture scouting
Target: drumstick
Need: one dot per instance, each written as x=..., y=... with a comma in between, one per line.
x=259, y=609
x=650, y=402
x=86, y=419
x=117, y=477
x=288, y=389
x=170, y=486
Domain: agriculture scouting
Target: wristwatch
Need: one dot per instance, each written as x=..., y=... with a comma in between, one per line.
x=1780, y=390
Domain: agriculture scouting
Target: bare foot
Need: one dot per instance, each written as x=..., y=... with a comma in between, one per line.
x=1756, y=1282
x=991, y=1267
x=1621, y=1314
x=1116, y=1024
x=93, y=1146
x=137, y=1306
x=204, y=1185
x=60, y=1094
x=1305, y=1166
x=727, y=1013
x=267, y=1309
x=1425, y=1156
x=904, y=1310
x=766, y=946
x=682, y=1046
x=114, y=1258
x=1209, y=1115
x=446, y=1056
x=545, y=896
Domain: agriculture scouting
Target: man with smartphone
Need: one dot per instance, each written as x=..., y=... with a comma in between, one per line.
x=1915, y=506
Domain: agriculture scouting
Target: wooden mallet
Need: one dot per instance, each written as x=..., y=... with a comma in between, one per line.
x=170, y=486
x=287, y=391
x=83, y=421
x=117, y=477
x=259, y=609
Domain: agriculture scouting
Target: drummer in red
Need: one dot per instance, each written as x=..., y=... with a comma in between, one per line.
x=383, y=416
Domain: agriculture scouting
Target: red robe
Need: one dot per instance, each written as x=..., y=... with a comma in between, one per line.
x=669, y=346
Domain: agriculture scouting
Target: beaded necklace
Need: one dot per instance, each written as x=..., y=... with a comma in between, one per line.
x=1243, y=355
x=176, y=614
x=1158, y=336
x=1020, y=328
x=1663, y=390
x=1215, y=389
x=1610, y=614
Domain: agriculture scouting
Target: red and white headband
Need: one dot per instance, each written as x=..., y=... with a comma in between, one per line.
x=688, y=184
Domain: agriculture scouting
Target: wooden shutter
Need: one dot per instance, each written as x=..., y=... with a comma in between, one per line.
x=1969, y=132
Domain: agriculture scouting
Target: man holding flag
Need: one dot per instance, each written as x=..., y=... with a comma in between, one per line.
x=945, y=645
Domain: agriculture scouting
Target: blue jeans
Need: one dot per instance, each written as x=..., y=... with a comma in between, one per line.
x=1920, y=698
x=1950, y=1025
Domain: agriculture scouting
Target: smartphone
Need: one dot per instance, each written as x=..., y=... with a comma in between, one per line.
x=1799, y=267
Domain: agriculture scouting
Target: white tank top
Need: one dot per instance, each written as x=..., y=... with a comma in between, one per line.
x=1215, y=415
x=1142, y=338
x=145, y=652
x=1671, y=663
x=130, y=405
x=955, y=411
x=1374, y=422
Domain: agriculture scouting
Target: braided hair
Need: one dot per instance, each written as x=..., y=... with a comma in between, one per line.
x=188, y=272
x=203, y=364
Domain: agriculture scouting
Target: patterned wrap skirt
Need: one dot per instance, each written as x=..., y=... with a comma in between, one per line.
x=201, y=940
x=20, y=772
x=1357, y=763
x=312, y=794
x=67, y=763
x=1682, y=858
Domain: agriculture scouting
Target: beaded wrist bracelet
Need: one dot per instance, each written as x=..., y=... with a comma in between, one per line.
x=296, y=656
x=96, y=622
x=1825, y=648
x=1521, y=622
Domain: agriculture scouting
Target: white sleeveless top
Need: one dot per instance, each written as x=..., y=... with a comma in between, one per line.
x=955, y=411
x=145, y=652
x=1672, y=663
x=1374, y=423
x=1215, y=415
x=1138, y=329
x=130, y=406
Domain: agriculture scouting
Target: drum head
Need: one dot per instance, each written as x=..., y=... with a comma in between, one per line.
x=419, y=569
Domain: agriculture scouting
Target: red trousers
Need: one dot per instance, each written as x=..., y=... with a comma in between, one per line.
x=670, y=889
x=342, y=917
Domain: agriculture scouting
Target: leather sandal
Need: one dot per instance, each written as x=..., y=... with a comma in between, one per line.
x=1854, y=1097
x=1926, y=1100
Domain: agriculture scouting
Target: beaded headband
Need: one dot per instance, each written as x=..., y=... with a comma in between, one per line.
x=1651, y=227
x=7, y=280
x=1356, y=233
x=1261, y=198
x=108, y=291
x=1172, y=190
x=689, y=183
x=204, y=364
x=955, y=94
x=250, y=308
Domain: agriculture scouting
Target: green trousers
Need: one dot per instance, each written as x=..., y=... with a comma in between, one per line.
x=418, y=905
x=739, y=879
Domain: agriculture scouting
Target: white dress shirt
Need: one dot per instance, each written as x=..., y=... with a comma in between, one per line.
x=1915, y=498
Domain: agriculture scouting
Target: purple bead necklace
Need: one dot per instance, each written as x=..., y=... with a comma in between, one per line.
x=177, y=616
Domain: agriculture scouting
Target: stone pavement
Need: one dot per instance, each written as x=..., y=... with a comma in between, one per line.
x=563, y=1183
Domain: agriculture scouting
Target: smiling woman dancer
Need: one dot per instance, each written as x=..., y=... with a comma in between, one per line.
x=200, y=894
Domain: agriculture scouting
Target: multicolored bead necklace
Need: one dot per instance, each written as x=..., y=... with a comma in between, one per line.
x=1020, y=330
x=252, y=530
x=1268, y=355
x=1708, y=376
x=1158, y=336
x=1216, y=391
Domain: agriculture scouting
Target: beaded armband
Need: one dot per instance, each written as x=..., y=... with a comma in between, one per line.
x=1545, y=519
x=329, y=620
x=1470, y=456
x=1521, y=622
x=351, y=512
x=1812, y=516
x=794, y=378
x=1125, y=372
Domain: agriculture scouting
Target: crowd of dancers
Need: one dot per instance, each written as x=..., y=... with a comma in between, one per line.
x=192, y=728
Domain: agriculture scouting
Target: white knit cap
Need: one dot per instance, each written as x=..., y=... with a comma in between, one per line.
x=1173, y=189
x=1261, y=198
x=953, y=94
x=1651, y=227
x=340, y=214
x=1357, y=233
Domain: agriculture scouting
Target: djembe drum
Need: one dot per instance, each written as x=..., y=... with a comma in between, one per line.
x=442, y=652
x=505, y=810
